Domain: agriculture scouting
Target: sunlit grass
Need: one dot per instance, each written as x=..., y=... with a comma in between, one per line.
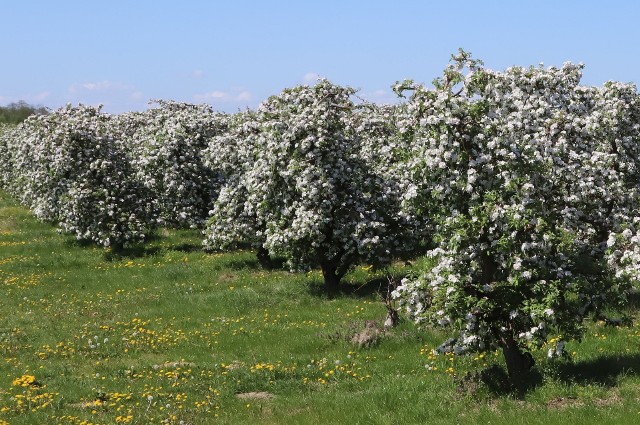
x=170, y=334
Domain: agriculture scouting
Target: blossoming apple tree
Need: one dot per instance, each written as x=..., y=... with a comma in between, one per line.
x=313, y=198
x=167, y=155
x=68, y=168
x=233, y=218
x=526, y=175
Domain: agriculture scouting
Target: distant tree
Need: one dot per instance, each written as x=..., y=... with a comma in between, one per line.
x=16, y=112
x=234, y=219
x=70, y=169
x=304, y=189
x=167, y=158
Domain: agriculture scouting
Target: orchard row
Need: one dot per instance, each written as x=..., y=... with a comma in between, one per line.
x=523, y=182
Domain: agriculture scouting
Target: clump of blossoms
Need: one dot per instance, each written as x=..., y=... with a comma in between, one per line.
x=526, y=180
x=29, y=173
x=7, y=149
x=307, y=186
x=234, y=218
x=167, y=152
x=105, y=202
x=385, y=146
x=68, y=168
x=616, y=178
x=129, y=127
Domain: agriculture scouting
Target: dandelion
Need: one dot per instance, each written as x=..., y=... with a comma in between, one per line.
x=25, y=381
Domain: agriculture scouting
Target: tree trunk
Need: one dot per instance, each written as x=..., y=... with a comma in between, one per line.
x=331, y=276
x=117, y=248
x=263, y=258
x=518, y=363
x=488, y=264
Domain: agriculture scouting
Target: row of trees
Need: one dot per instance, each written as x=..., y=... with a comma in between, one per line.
x=301, y=177
x=523, y=182
x=16, y=112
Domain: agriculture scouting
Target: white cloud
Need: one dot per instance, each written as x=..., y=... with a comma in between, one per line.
x=216, y=96
x=310, y=78
x=244, y=96
x=99, y=86
x=116, y=96
x=42, y=96
x=29, y=98
x=380, y=96
x=195, y=74
x=96, y=86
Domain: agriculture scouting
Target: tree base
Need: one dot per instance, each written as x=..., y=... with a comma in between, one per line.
x=331, y=278
x=518, y=363
x=264, y=259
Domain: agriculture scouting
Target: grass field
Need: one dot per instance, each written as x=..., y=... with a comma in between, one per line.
x=174, y=335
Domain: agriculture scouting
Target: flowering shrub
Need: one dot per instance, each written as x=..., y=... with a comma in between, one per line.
x=527, y=175
x=234, y=217
x=27, y=171
x=167, y=152
x=318, y=201
x=68, y=168
x=386, y=143
x=616, y=178
x=104, y=203
x=7, y=136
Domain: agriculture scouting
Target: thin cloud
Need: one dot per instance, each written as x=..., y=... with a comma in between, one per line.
x=224, y=97
x=244, y=96
x=310, y=78
x=99, y=86
x=29, y=98
x=214, y=95
x=116, y=96
x=40, y=97
x=379, y=96
x=197, y=74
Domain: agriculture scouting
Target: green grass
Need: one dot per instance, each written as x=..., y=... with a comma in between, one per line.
x=170, y=334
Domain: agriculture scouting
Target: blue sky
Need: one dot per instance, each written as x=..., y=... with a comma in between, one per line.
x=234, y=54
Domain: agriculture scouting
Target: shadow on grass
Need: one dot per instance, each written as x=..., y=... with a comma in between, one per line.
x=498, y=383
x=247, y=260
x=185, y=247
x=138, y=251
x=154, y=244
x=380, y=286
x=141, y=251
x=273, y=263
x=79, y=243
x=236, y=263
x=603, y=371
x=633, y=302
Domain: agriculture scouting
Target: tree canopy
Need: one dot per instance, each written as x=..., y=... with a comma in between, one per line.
x=16, y=112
